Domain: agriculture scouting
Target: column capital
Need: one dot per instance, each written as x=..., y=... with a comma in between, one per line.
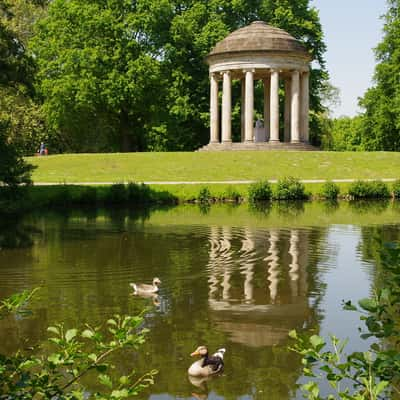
x=248, y=70
x=227, y=72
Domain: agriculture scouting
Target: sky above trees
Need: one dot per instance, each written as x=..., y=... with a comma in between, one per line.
x=352, y=30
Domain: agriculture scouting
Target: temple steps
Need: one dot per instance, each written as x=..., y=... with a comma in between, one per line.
x=260, y=146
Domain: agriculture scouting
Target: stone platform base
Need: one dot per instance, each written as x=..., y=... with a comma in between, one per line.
x=258, y=147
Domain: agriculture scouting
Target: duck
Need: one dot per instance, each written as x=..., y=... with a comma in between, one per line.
x=207, y=365
x=144, y=288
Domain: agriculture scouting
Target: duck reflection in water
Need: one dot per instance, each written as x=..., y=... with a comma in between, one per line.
x=153, y=296
x=201, y=384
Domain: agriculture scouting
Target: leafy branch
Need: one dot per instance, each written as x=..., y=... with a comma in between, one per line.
x=368, y=375
x=76, y=353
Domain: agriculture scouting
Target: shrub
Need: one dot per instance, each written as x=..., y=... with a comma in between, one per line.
x=290, y=189
x=369, y=190
x=330, y=190
x=396, y=189
x=231, y=194
x=204, y=195
x=117, y=194
x=379, y=189
x=260, y=191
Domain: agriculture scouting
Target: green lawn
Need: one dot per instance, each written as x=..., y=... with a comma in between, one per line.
x=213, y=166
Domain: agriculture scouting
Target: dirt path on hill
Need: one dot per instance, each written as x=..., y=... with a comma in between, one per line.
x=238, y=182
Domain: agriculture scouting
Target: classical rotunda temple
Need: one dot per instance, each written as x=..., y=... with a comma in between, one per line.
x=260, y=52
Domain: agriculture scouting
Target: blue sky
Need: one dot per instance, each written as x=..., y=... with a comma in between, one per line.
x=352, y=28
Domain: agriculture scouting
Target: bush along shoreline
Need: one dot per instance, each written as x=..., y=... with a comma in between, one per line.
x=28, y=198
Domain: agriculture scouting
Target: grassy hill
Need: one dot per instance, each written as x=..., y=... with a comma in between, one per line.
x=210, y=166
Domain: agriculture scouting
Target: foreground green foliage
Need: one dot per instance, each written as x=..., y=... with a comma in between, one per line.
x=74, y=354
x=368, y=375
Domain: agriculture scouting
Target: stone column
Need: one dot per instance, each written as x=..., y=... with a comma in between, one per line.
x=288, y=105
x=242, y=108
x=227, y=108
x=305, y=105
x=267, y=107
x=274, y=127
x=273, y=265
x=295, y=109
x=214, y=117
x=249, y=107
x=294, y=265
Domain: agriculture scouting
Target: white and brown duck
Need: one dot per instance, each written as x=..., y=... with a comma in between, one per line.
x=143, y=289
x=207, y=365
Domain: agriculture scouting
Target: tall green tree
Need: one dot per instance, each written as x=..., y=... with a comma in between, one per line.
x=98, y=76
x=17, y=103
x=15, y=70
x=381, y=129
x=131, y=75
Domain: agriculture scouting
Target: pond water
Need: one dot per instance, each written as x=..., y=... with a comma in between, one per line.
x=232, y=277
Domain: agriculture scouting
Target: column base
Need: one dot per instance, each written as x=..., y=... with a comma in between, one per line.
x=295, y=141
x=227, y=141
x=274, y=141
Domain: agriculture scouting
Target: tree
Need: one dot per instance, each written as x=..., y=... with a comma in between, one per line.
x=15, y=70
x=343, y=134
x=381, y=128
x=132, y=74
x=17, y=105
x=14, y=171
x=99, y=77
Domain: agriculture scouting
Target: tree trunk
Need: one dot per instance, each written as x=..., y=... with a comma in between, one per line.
x=125, y=133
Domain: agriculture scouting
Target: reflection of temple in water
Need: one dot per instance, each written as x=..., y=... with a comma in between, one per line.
x=258, y=283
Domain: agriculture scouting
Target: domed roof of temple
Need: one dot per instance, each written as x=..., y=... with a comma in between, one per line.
x=259, y=37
